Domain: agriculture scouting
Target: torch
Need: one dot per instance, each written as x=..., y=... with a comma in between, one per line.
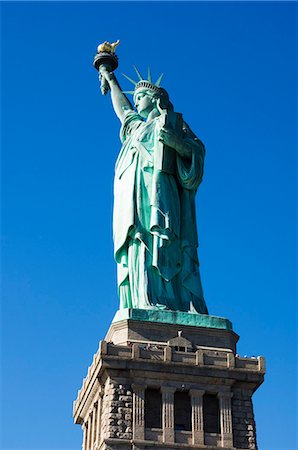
x=107, y=57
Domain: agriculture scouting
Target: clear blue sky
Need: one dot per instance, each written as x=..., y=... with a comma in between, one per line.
x=230, y=68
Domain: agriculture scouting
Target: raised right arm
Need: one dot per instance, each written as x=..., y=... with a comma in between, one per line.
x=120, y=102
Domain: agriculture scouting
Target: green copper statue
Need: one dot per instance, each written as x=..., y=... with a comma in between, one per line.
x=158, y=171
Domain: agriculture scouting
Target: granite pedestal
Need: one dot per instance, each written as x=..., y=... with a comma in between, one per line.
x=168, y=356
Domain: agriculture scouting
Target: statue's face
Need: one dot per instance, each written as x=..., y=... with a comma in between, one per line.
x=143, y=103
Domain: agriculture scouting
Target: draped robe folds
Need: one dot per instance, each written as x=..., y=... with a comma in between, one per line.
x=154, y=222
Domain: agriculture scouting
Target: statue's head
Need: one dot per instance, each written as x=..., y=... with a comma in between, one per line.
x=155, y=93
x=148, y=95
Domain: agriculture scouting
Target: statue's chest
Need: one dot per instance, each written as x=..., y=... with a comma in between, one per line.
x=147, y=136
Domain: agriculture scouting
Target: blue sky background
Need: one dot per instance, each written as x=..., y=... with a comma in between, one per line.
x=230, y=68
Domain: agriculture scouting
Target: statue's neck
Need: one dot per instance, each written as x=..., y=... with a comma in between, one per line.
x=153, y=114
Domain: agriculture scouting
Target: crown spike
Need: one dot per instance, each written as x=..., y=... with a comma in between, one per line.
x=138, y=73
x=130, y=79
x=128, y=92
x=159, y=80
x=149, y=75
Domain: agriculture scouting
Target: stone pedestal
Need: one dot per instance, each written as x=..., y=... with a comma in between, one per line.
x=168, y=357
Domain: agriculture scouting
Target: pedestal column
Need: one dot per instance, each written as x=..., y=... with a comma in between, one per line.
x=93, y=429
x=84, y=446
x=88, y=446
x=197, y=416
x=168, y=414
x=226, y=419
x=138, y=411
x=98, y=421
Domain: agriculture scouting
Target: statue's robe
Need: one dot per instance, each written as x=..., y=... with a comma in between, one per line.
x=154, y=223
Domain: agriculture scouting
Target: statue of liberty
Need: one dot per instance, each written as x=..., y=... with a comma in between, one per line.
x=157, y=174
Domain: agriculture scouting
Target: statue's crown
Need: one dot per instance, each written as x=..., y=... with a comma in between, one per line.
x=147, y=84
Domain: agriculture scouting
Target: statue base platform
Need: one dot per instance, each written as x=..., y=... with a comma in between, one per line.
x=173, y=317
x=155, y=326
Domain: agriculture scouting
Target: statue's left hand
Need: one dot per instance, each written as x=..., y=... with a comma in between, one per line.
x=169, y=137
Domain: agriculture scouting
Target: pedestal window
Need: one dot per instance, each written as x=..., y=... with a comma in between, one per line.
x=211, y=413
x=182, y=411
x=153, y=407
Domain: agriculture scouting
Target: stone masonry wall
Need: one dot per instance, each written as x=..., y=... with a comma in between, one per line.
x=117, y=411
x=244, y=427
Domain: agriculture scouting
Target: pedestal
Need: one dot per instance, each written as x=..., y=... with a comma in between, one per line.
x=168, y=360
